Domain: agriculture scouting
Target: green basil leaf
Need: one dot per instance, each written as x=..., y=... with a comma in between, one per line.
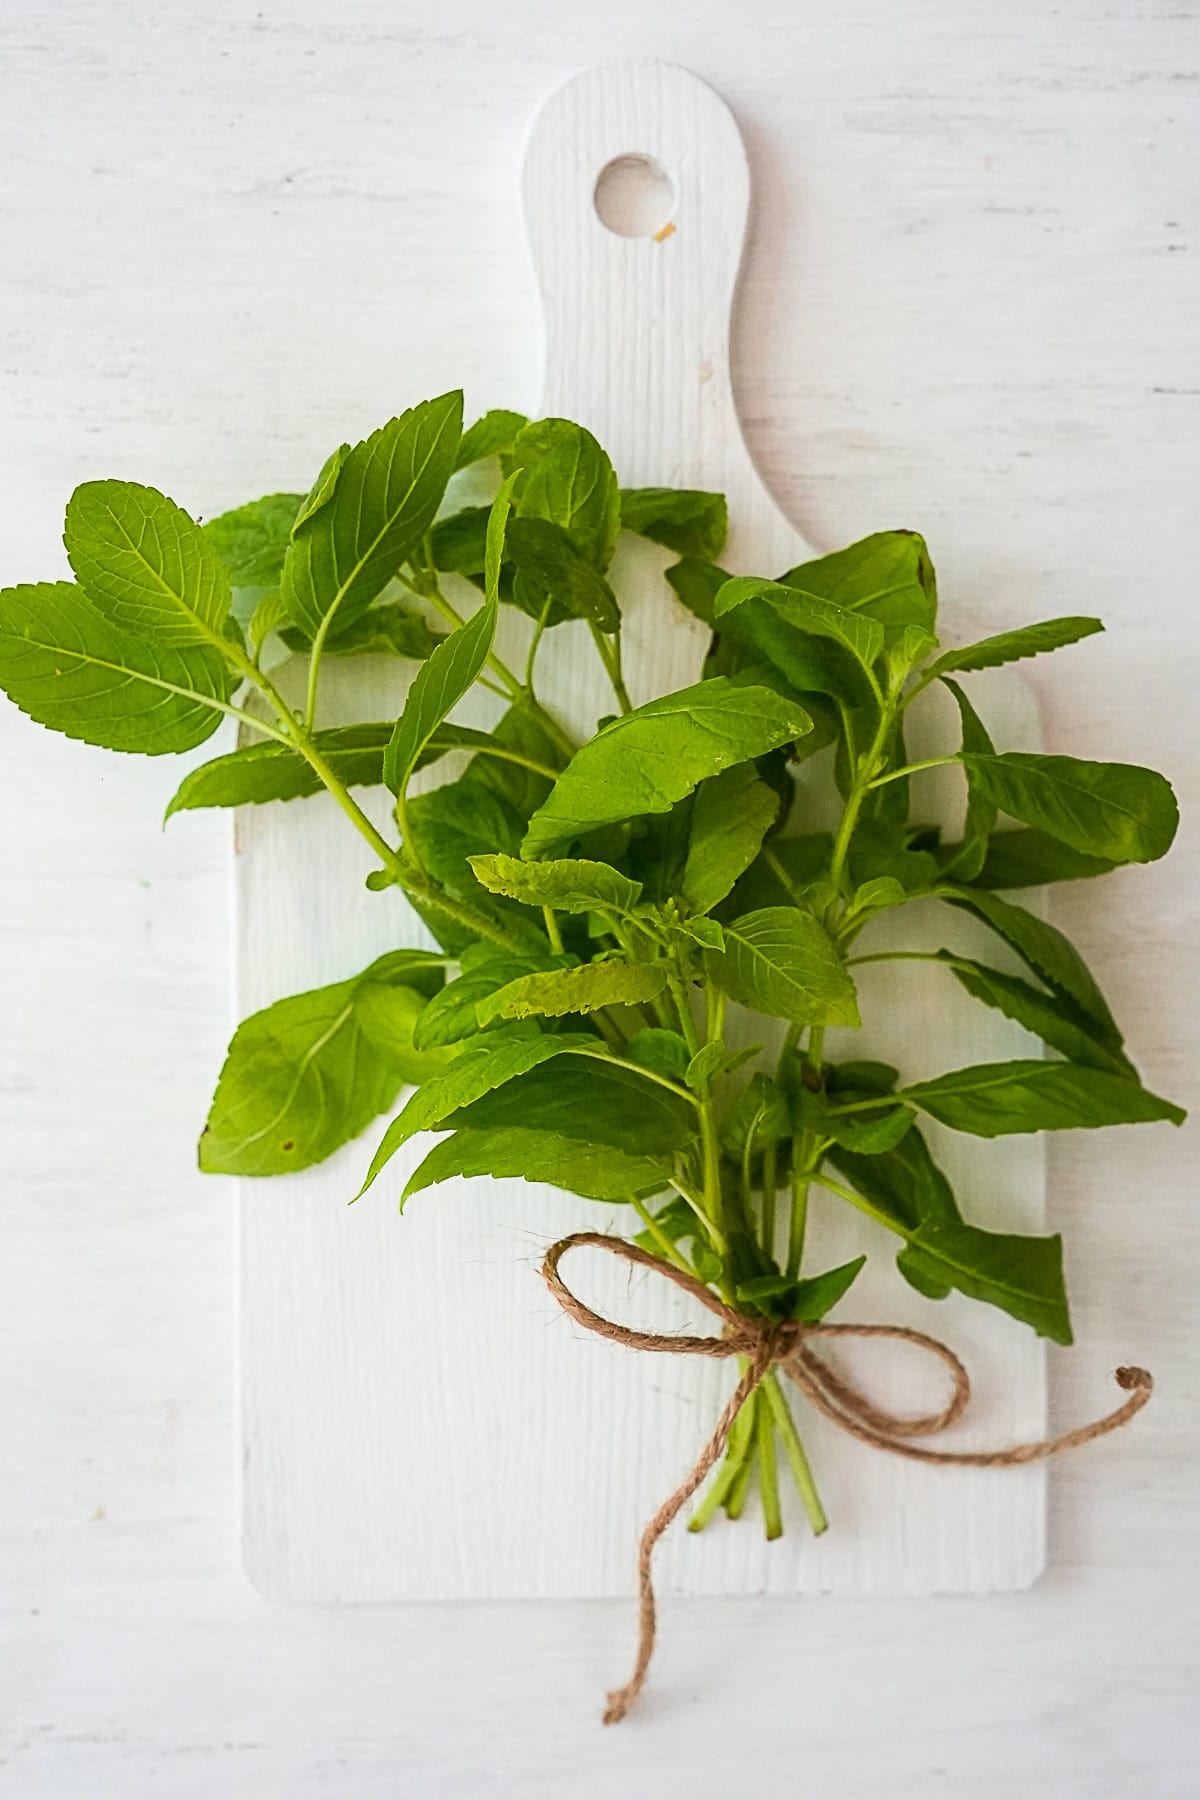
x=492, y=435
x=452, y=669
x=310, y=1072
x=440, y=683
x=805, y=663
x=586, y=989
x=781, y=961
x=450, y=1014
x=661, y=1051
x=657, y=852
x=817, y=1295
x=1114, y=810
x=520, y=732
x=781, y=873
x=571, y=886
x=1010, y=646
x=252, y=540
x=862, y=636
x=697, y=583
x=704, y=1067
x=869, y=1134
x=875, y=896
x=64, y=664
x=1056, y=1021
x=453, y=823
x=907, y=1191
x=146, y=565
x=270, y=614
x=529, y=1153
x=1045, y=950
x=323, y=488
x=368, y=513
x=564, y=476
x=458, y=543
x=599, y=1102
x=967, y=858
x=686, y=520
x=483, y=1065
x=730, y=817
x=654, y=756
x=552, y=569
x=904, y=1185
x=1024, y=858
x=996, y=1099
x=887, y=576
x=271, y=771
x=714, y=1060
x=595, y=1131
x=759, y=639
x=1020, y=1275
x=447, y=826
x=859, y=1074
x=705, y=932
x=758, y=1117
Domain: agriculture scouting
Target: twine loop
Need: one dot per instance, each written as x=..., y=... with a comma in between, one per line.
x=765, y=1344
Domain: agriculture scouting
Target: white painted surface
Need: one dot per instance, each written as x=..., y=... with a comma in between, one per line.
x=389, y=1369
x=968, y=306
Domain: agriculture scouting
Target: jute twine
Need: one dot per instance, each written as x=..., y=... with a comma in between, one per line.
x=765, y=1345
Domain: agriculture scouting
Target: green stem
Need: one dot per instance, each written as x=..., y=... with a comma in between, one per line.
x=663, y=1081
x=855, y=1200
x=794, y=1451
x=930, y=762
x=711, y=1230
x=433, y=593
x=245, y=718
x=670, y=1252
x=609, y=652
x=797, y=1224
x=735, y=1500
x=738, y=1449
x=298, y=738
x=931, y=675
x=515, y=690
x=801, y=1151
x=789, y=1044
x=406, y=840
x=768, y=1473
x=683, y=1010
x=858, y=793
x=857, y=1106
x=516, y=756
x=713, y=1198
x=794, y=894
x=314, y=671
x=769, y=1188
x=933, y=956
x=552, y=931
x=534, y=645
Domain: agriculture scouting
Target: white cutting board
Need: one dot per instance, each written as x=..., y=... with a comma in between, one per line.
x=418, y=1421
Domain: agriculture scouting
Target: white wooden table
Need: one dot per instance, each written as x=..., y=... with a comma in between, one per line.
x=968, y=306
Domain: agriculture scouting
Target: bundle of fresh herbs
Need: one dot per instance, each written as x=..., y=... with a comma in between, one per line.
x=598, y=911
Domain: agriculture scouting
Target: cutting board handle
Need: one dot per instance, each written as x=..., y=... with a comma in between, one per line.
x=637, y=335
x=637, y=328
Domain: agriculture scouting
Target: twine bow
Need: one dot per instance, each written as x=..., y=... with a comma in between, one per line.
x=765, y=1344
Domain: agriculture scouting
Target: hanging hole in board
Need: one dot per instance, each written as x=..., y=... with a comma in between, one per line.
x=635, y=197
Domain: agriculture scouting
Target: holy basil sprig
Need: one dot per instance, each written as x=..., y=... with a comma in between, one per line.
x=600, y=910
